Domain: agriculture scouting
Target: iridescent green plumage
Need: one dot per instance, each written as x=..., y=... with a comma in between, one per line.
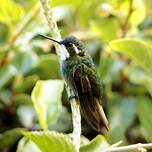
x=80, y=74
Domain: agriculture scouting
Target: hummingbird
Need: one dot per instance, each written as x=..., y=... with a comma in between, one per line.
x=79, y=72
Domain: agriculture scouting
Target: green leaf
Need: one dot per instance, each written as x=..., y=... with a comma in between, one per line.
x=27, y=120
x=144, y=111
x=26, y=84
x=144, y=79
x=28, y=5
x=64, y=123
x=25, y=145
x=137, y=50
x=147, y=23
x=106, y=28
x=48, y=67
x=96, y=145
x=10, y=137
x=6, y=74
x=84, y=8
x=22, y=99
x=120, y=117
x=4, y=32
x=109, y=69
x=5, y=96
x=83, y=140
x=46, y=97
x=66, y=2
x=139, y=11
x=50, y=140
x=25, y=61
x=11, y=12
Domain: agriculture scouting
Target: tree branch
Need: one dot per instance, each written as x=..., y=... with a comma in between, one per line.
x=21, y=27
x=135, y=147
x=76, y=122
x=17, y=32
x=60, y=52
x=124, y=26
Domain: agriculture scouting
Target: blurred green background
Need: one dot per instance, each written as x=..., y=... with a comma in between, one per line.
x=125, y=66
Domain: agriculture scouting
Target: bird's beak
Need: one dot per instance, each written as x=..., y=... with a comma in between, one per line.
x=44, y=36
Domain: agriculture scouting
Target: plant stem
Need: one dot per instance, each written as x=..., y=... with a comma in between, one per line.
x=28, y=19
x=52, y=25
x=76, y=122
x=126, y=22
x=135, y=147
x=76, y=119
x=21, y=27
x=60, y=52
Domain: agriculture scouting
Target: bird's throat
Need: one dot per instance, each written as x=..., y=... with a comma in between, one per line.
x=64, y=54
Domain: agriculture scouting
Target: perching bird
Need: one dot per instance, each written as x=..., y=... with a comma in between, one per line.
x=80, y=74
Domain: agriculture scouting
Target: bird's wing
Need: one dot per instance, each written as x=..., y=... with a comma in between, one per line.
x=92, y=110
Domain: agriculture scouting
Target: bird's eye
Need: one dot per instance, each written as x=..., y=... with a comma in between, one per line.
x=70, y=44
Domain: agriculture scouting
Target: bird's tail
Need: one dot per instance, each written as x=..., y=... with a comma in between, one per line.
x=90, y=105
x=94, y=114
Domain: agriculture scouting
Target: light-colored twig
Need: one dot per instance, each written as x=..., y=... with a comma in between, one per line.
x=60, y=52
x=23, y=25
x=76, y=123
x=52, y=24
x=116, y=144
x=135, y=147
x=76, y=119
x=126, y=22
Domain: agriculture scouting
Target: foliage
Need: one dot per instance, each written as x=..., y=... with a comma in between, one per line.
x=117, y=34
x=129, y=47
x=51, y=140
x=45, y=95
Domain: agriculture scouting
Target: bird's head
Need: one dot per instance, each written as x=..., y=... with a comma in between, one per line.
x=73, y=45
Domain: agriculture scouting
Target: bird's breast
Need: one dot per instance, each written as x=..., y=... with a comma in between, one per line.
x=71, y=63
x=67, y=67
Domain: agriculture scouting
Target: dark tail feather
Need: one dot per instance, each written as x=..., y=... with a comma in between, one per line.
x=92, y=110
x=89, y=114
x=103, y=119
x=94, y=115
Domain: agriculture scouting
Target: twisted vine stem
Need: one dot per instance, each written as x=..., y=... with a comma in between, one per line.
x=60, y=52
